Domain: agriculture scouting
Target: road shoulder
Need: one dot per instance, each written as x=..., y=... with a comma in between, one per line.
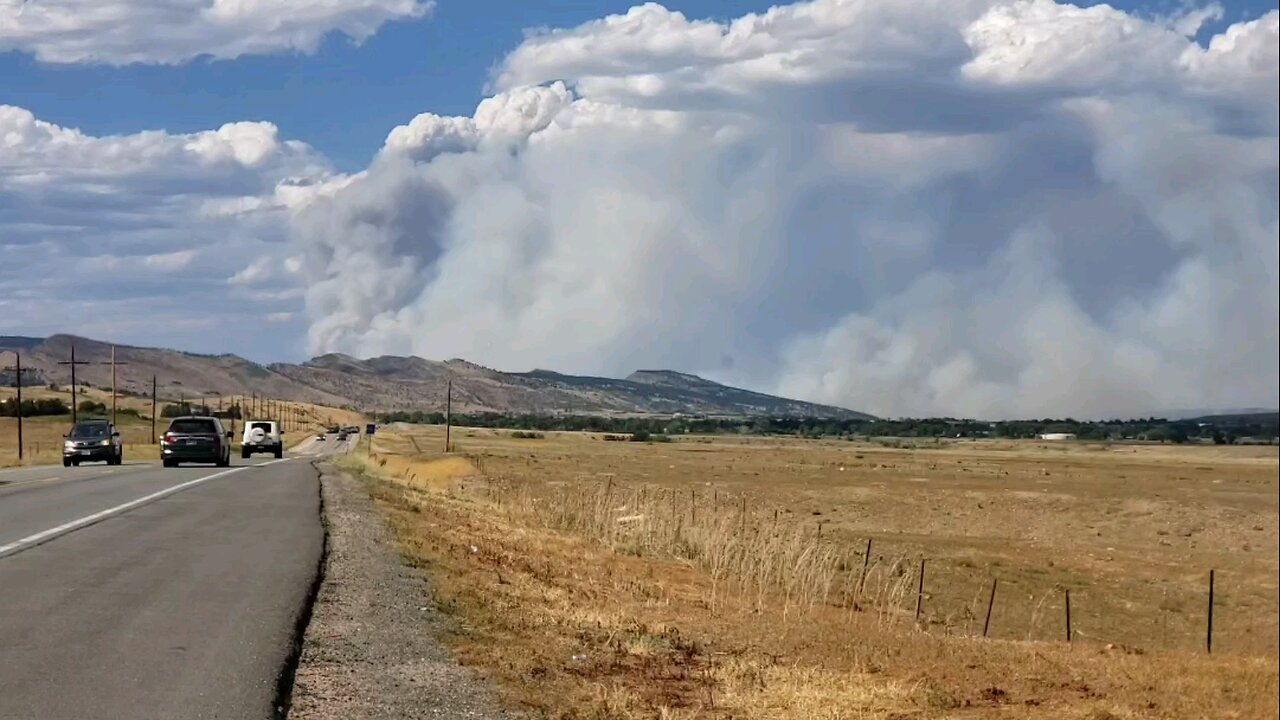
x=372, y=648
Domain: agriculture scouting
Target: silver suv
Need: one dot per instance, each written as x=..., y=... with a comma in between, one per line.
x=262, y=436
x=92, y=440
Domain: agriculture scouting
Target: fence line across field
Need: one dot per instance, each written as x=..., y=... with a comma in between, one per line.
x=855, y=577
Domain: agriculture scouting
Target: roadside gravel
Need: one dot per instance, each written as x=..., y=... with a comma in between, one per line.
x=371, y=649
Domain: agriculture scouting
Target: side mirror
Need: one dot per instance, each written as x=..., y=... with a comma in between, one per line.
x=115, y=434
x=228, y=434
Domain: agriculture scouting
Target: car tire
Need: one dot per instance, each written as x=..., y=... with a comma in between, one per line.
x=76, y=463
x=244, y=454
x=279, y=452
x=66, y=462
x=169, y=463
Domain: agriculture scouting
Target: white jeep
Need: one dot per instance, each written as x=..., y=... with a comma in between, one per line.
x=262, y=436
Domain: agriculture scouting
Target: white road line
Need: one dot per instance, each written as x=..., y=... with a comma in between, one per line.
x=45, y=536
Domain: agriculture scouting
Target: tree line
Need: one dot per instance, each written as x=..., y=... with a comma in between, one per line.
x=34, y=408
x=45, y=407
x=1221, y=431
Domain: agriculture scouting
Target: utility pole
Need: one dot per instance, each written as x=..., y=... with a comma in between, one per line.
x=153, y=409
x=113, y=383
x=448, y=413
x=75, y=416
x=17, y=369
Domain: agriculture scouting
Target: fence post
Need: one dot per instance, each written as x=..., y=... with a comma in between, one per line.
x=990, y=602
x=1068, y=594
x=920, y=592
x=866, y=563
x=1208, y=637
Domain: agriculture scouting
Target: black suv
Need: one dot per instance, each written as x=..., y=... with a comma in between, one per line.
x=196, y=439
x=91, y=441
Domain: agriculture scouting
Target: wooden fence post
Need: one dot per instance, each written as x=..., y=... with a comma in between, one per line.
x=866, y=563
x=1068, y=594
x=920, y=592
x=990, y=602
x=1208, y=637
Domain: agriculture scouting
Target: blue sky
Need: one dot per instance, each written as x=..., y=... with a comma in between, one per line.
x=344, y=98
x=974, y=208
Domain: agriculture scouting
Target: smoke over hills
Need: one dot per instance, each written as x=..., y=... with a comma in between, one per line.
x=971, y=208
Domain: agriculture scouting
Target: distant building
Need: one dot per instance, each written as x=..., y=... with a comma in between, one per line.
x=1057, y=436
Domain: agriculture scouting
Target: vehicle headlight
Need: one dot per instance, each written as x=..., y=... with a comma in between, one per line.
x=105, y=443
x=68, y=444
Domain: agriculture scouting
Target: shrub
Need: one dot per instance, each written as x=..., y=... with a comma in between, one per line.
x=33, y=408
x=89, y=407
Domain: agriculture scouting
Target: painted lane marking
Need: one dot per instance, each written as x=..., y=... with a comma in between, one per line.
x=45, y=536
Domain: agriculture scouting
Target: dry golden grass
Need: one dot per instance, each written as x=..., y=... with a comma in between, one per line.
x=690, y=579
x=43, y=435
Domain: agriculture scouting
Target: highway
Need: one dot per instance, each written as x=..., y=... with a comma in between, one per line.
x=143, y=592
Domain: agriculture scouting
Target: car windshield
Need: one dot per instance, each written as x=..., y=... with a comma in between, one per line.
x=192, y=426
x=263, y=426
x=89, y=430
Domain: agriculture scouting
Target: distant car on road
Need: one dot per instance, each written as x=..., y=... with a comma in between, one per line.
x=262, y=436
x=196, y=438
x=92, y=441
x=321, y=436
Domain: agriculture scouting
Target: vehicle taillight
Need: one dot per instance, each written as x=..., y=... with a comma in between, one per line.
x=168, y=438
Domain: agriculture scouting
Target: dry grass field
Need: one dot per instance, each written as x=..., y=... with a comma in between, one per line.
x=728, y=577
x=43, y=435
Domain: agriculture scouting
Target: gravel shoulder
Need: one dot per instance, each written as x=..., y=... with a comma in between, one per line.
x=372, y=649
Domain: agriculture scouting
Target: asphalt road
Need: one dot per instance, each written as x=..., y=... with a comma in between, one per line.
x=143, y=592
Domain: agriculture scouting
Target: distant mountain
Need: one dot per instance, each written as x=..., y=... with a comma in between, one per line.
x=412, y=383
x=1259, y=417
x=399, y=383
x=18, y=342
x=176, y=372
x=1200, y=414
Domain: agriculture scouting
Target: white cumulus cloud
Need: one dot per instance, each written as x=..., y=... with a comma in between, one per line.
x=114, y=236
x=972, y=208
x=121, y=32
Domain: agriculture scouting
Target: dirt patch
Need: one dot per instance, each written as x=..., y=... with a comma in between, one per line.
x=372, y=647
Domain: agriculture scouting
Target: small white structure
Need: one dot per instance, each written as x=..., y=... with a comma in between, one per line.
x=1057, y=436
